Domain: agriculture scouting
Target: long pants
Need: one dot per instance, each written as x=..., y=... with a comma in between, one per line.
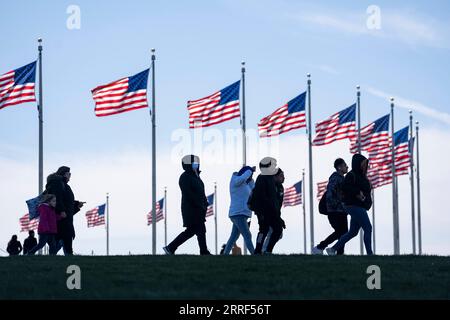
x=338, y=221
x=240, y=226
x=44, y=239
x=267, y=240
x=198, y=230
x=65, y=242
x=264, y=226
x=359, y=219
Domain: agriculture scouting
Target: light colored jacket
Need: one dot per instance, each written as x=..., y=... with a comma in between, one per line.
x=239, y=193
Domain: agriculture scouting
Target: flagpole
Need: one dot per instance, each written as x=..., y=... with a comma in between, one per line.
x=373, y=221
x=165, y=216
x=153, y=157
x=358, y=106
x=215, y=214
x=311, y=206
x=244, y=136
x=394, y=185
x=304, y=211
x=107, y=224
x=419, y=220
x=41, y=126
x=411, y=177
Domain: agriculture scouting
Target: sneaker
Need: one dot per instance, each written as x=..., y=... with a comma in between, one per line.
x=316, y=250
x=331, y=252
x=167, y=251
x=207, y=253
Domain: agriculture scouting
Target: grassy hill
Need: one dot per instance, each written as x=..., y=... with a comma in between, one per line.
x=225, y=277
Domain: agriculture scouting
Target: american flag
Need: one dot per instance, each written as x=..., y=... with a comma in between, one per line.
x=96, y=216
x=122, y=95
x=339, y=126
x=373, y=136
x=17, y=86
x=159, y=212
x=286, y=118
x=321, y=188
x=210, y=210
x=26, y=224
x=380, y=172
x=293, y=195
x=216, y=108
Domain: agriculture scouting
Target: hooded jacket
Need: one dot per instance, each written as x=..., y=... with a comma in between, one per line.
x=355, y=182
x=265, y=197
x=47, y=219
x=193, y=199
x=240, y=189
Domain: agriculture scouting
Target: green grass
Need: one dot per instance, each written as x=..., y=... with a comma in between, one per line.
x=225, y=277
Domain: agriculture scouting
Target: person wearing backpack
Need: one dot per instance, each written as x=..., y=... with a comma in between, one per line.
x=357, y=200
x=241, y=186
x=333, y=197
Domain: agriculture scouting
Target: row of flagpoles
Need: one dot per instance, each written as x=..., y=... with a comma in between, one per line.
x=130, y=93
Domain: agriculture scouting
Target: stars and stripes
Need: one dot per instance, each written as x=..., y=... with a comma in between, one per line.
x=17, y=86
x=380, y=172
x=321, y=188
x=339, y=126
x=96, y=216
x=159, y=212
x=293, y=195
x=373, y=136
x=290, y=116
x=210, y=210
x=219, y=107
x=27, y=225
x=122, y=95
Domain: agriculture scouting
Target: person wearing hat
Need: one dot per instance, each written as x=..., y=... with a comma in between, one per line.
x=66, y=207
x=265, y=202
x=241, y=186
x=193, y=206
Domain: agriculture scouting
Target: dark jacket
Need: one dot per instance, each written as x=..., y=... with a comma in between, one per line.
x=29, y=244
x=280, y=195
x=193, y=199
x=356, y=181
x=334, y=193
x=265, y=198
x=65, y=202
x=14, y=248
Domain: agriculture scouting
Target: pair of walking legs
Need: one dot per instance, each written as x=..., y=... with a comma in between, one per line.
x=44, y=239
x=199, y=230
x=359, y=219
x=240, y=226
x=338, y=221
x=264, y=226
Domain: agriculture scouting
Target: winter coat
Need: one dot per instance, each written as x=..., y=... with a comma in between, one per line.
x=240, y=191
x=47, y=220
x=14, y=248
x=356, y=181
x=29, y=244
x=65, y=202
x=193, y=199
x=334, y=193
x=265, y=198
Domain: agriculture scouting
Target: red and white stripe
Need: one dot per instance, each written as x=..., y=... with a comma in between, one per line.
x=94, y=219
x=206, y=111
x=11, y=94
x=159, y=215
x=370, y=141
x=291, y=197
x=210, y=210
x=281, y=121
x=113, y=98
x=321, y=188
x=329, y=130
x=27, y=225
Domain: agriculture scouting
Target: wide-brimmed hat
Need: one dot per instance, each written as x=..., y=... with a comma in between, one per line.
x=268, y=166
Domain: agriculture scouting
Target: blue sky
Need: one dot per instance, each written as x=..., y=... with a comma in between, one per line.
x=199, y=47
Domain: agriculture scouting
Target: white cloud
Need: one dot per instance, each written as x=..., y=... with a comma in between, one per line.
x=408, y=28
x=412, y=105
x=126, y=175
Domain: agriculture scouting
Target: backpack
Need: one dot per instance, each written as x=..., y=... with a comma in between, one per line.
x=323, y=204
